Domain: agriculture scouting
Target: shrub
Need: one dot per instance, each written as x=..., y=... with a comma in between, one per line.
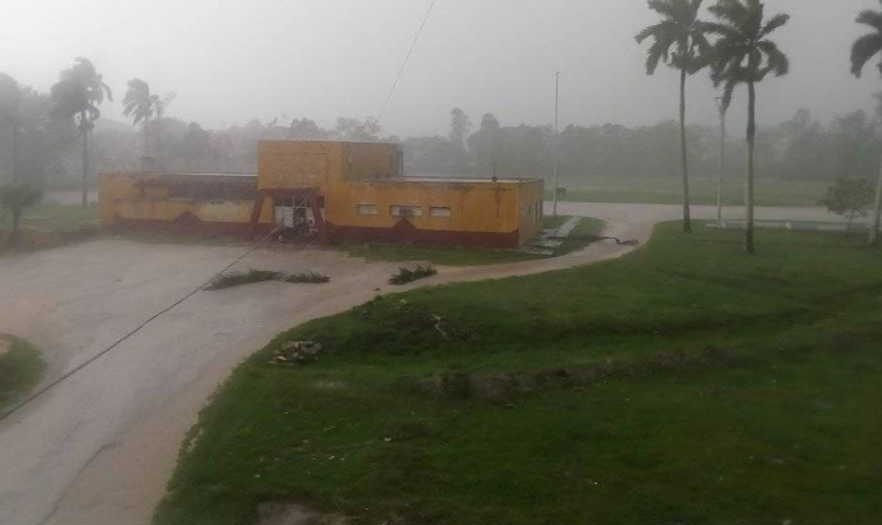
x=406, y=275
x=229, y=280
x=307, y=277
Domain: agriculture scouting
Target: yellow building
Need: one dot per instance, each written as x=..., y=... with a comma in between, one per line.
x=334, y=190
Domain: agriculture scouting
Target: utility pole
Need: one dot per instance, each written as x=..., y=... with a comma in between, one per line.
x=556, y=161
x=722, y=110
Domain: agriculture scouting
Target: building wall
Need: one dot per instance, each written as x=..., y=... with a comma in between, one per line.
x=531, y=196
x=126, y=199
x=480, y=207
x=360, y=186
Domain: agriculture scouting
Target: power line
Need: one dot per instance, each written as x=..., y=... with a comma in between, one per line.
x=416, y=38
x=132, y=332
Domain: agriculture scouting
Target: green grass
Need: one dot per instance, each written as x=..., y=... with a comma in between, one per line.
x=668, y=190
x=20, y=370
x=787, y=427
x=55, y=218
x=466, y=256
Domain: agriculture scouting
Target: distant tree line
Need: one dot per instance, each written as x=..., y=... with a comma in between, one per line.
x=801, y=148
x=48, y=149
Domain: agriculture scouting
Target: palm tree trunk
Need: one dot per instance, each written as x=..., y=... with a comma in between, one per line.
x=157, y=131
x=145, y=158
x=687, y=222
x=751, y=143
x=877, y=210
x=15, y=152
x=85, y=182
x=722, y=166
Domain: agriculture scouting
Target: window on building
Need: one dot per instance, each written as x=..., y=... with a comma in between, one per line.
x=405, y=211
x=367, y=209
x=439, y=211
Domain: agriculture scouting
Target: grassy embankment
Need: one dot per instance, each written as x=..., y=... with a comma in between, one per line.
x=582, y=236
x=50, y=217
x=20, y=369
x=684, y=383
x=668, y=190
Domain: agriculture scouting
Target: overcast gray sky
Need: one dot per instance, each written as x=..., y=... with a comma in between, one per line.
x=232, y=60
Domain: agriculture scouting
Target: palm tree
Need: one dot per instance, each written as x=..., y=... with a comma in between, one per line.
x=744, y=55
x=140, y=104
x=10, y=105
x=681, y=30
x=77, y=95
x=864, y=49
x=143, y=106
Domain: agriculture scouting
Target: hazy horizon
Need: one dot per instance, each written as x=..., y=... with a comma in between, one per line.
x=230, y=62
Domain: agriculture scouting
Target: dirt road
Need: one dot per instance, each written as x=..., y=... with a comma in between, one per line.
x=99, y=448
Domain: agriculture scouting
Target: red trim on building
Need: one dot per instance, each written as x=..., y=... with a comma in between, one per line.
x=405, y=232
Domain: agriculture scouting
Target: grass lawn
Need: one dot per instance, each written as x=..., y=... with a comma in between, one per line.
x=668, y=190
x=464, y=256
x=20, y=369
x=54, y=218
x=684, y=383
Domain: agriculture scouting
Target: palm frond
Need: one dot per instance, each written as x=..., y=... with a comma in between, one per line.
x=723, y=30
x=870, y=18
x=731, y=11
x=777, y=61
x=776, y=22
x=863, y=49
x=666, y=8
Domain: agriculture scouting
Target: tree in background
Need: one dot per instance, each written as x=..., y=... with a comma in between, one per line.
x=77, y=95
x=850, y=198
x=356, y=130
x=306, y=129
x=140, y=105
x=681, y=30
x=863, y=50
x=852, y=144
x=744, y=55
x=485, y=143
x=15, y=198
x=10, y=114
x=460, y=126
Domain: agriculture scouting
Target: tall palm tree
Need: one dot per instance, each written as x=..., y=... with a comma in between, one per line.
x=77, y=95
x=680, y=41
x=745, y=55
x=864, y=49
x=139, y=104
x=10, y=105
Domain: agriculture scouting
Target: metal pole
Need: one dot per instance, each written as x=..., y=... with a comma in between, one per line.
x=556, y=161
